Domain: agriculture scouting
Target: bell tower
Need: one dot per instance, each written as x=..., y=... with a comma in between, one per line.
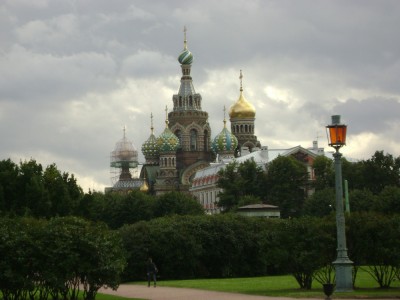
x=242, y=116
x=189, y=122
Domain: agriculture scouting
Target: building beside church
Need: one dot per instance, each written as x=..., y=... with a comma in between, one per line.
x=204, y=185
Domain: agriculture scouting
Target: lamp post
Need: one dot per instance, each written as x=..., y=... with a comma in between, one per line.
x=336, y=133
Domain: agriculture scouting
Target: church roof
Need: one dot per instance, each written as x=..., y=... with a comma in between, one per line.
x=225, y=141
x=185, y=57
x=242, y=108
x=261, y=157
x=150, y=148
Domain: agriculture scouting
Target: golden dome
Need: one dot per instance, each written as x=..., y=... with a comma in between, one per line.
x=242, y=108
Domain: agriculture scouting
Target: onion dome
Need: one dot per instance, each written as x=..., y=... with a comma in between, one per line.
x=225, y=141
x=124, y=154
x=167, y=141
x=242, y=108
x=149, y=147
x=185, y=57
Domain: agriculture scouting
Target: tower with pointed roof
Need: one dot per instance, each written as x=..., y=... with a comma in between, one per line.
x=242, y=116
x=189, y=123
x=167, y=144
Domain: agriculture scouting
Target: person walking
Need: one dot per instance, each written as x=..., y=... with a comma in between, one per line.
x=151, y=272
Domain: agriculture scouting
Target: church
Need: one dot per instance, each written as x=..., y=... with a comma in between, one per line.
x=186, y=145
x=186, y=156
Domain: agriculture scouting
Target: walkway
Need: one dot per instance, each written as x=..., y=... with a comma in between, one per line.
x=169, y=293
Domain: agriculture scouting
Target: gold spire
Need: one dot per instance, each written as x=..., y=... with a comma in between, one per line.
x=224, y=117
x=184, y=41
x=166, y=116
x=241, y=81
x=242, y=108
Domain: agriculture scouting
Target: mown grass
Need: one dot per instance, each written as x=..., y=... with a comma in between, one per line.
x=286, y=286
x=112, y=297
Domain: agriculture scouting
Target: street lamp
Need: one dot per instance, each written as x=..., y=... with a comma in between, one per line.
x=336, y=133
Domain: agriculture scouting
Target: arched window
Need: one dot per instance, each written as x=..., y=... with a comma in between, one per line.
x=193, y=139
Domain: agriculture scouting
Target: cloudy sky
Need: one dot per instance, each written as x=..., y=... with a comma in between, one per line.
x=74, y=73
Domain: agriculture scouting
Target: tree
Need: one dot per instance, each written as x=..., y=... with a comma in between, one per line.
x=121, y=209
x=324, y=173
x=238, y=181
x=309, y=246
x=381, y=171
x=362, y=200
x=286, y=181
x=8, y=185
x=380, y=235
x=320, y=204
x=388, y=200
x=176, y=203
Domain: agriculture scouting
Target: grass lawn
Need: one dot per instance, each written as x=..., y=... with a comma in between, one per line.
x=286, y=286
x=111, y=297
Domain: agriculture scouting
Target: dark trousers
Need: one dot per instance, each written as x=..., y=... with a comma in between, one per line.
x=151, y=275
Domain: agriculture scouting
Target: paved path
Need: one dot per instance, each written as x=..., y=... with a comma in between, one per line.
x=169, y=293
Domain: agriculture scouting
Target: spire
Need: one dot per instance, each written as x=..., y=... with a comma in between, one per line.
x=185, y=57
x=224, y=117
x=166, y=116
x=124, y=129
x=241, y=81
x=184, y=40
x=152, y=127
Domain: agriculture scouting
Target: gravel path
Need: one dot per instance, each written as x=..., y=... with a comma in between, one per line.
x=169, y=293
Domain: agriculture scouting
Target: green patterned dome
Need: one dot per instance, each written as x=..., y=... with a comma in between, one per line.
x=225, y=141
x=186, y=57
x=150, y=147
x=167, y=141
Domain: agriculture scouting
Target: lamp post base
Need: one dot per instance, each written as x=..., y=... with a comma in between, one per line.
x=344, y=278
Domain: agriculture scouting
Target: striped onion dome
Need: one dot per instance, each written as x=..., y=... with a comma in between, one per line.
x=224, y=142
x=167, y=141
x=150, y=147
x=185, y=57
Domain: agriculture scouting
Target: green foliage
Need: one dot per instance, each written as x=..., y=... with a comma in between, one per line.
x=324, y=173
x=320, y=204
x=238, y=181
x=309, y=246
x=388, y=200
x=176, y=203
x=28, y=190
x=42, y=259
x=287, y=178
x=362, y=200
x=381, y=171
x=198, y=246
x=380, y=234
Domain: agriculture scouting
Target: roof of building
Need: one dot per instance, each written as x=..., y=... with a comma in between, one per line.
x=261, y=157
x=259, y=207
